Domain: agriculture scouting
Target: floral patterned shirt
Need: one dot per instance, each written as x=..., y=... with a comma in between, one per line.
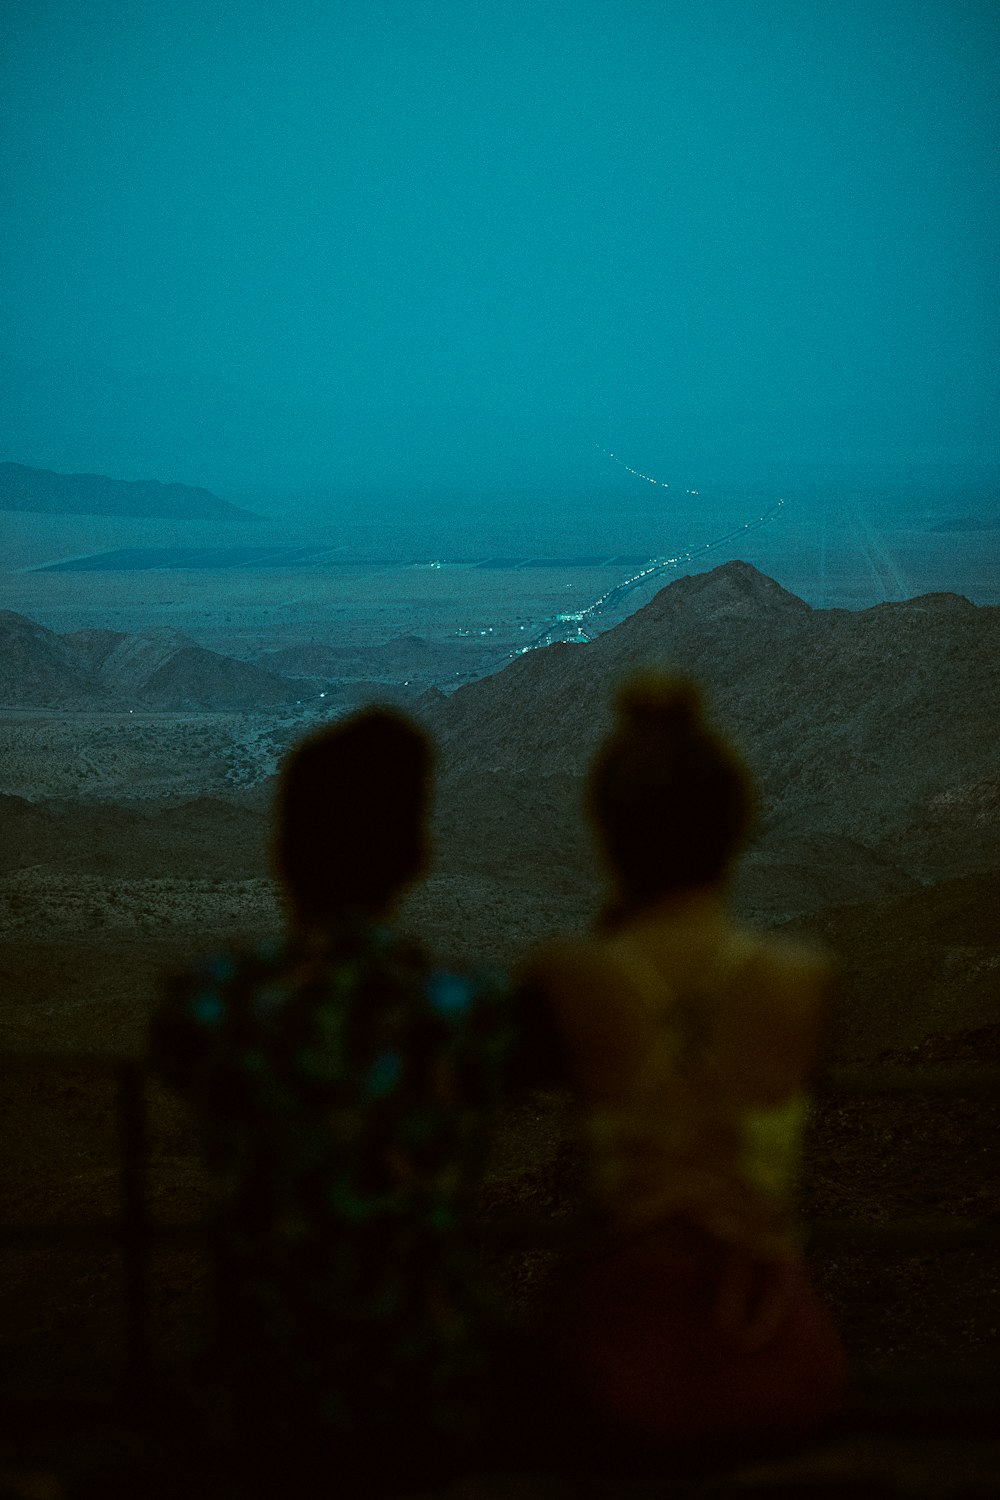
x=346, y=1090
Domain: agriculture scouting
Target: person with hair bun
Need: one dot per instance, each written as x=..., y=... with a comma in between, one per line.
x=690, y=1041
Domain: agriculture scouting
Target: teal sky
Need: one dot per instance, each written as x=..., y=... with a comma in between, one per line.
x=382, y=244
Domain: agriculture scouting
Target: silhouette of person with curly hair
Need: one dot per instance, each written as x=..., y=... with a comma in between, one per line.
x=346, y=1088
x=690, y=1041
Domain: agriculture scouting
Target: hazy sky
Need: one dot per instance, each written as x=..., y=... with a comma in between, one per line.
x=370, y=243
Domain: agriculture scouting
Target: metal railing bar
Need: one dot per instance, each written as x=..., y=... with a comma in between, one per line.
x=874, y=1082
x=894, y=1374
x=134, y=1223
x=935, y=1234
x=860, y=1079
x=27, y=1236
x=14, y=1061
x=539, y=1234
x=880, y=1394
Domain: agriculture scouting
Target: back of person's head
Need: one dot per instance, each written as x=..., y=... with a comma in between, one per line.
x=671, y=799
x=351, y=812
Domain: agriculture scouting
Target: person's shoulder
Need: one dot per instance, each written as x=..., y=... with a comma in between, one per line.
x=777, y=1011
x=786, y=967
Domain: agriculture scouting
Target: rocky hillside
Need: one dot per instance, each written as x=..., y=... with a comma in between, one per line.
x=874, y=739
x=874, y=729
x=873, y=735
x=39, y=669
x=395, y=659
x=407, y=661
x=156, y=669
x=43, y=490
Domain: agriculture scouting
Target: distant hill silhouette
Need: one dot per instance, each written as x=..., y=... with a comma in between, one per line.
x=872, y=734
x=896, y=702
x=39, y=669
x=405, y=656
x=156, y=669
x=44, y=491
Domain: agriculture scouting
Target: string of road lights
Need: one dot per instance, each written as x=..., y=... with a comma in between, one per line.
x=656, y=566
x=649, y=479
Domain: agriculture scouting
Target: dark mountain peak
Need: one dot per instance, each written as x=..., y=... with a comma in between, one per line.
x=735, y=595
x=820, y=700
x=737, y=581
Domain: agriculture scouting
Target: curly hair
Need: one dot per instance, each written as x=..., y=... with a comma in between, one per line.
x=351, y=811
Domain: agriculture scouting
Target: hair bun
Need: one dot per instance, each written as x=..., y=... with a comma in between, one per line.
x=654, y=702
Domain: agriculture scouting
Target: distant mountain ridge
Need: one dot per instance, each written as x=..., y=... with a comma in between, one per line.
x=156, y=669
x=46, y=492
x=797, y=685
x=872, y=735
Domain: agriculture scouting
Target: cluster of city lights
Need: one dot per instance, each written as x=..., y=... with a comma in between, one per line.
x=581, y=625
x=654, y=568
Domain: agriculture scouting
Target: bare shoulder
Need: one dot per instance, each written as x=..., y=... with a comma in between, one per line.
x=793, y=973
x=777, y=1019
x=799, y=967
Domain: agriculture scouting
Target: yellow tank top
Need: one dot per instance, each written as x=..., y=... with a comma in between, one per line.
x=698, y=1132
